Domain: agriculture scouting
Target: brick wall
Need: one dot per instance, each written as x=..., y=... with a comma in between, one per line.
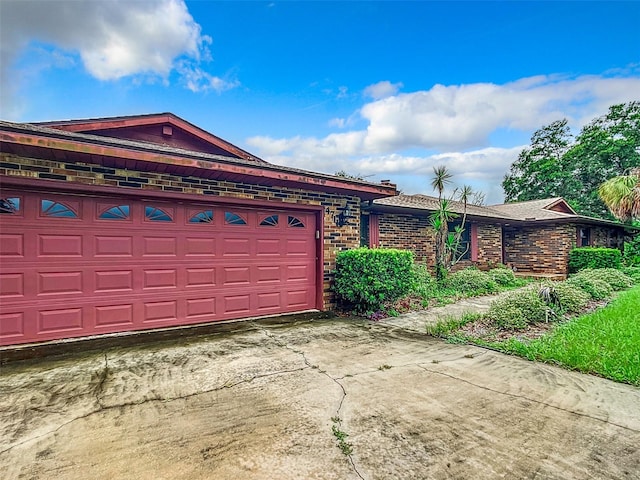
x=335, y=238
x=408, y=232
x=411, y=232
x=539, y=250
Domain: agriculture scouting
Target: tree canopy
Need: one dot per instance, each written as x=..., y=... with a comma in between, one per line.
x=558, y=165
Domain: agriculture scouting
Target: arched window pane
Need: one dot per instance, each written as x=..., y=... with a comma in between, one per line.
x=49, y=208
x=10, y=205
x=156, y=214
x=270, y=221
x=295, y=222
x=119, y=212
x=231, y=218
x=205, y=216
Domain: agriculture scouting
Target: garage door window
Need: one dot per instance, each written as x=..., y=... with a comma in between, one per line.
x=10, y=205
x=49, y=208
x=295, y=222
x=231, y=218
x=205, y=216
x=156, y=214
x=119, y=212
x=270, y=221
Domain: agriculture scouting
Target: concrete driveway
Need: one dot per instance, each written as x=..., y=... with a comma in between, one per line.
x=268, y=402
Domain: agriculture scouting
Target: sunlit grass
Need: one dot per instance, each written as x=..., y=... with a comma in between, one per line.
x=605, y=342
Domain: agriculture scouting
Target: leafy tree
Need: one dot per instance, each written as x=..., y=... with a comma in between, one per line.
x=607, y=147
x=540, y=171
x=621, y=195
x=555, y=165
x=448, y=251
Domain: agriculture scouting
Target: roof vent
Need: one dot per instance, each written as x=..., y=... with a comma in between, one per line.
x=167, y=131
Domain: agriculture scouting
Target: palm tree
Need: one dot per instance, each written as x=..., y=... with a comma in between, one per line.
x=622, y=195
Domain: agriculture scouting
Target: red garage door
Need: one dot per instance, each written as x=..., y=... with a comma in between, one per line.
x=74, y=266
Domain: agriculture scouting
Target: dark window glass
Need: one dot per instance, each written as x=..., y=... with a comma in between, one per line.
x=464, y=249
x=271, y=221
x=295, y=222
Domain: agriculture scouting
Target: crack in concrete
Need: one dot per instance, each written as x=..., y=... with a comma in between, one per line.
x=103, y=408
x=323, y=372
x=99, y=390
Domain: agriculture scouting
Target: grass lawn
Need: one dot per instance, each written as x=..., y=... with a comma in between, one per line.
x=605, y=342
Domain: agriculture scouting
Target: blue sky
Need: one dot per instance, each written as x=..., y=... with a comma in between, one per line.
x=385, y=90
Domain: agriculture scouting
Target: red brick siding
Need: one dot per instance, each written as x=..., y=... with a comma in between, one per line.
x=335, y=238
x=539, y=250
x=410, y=232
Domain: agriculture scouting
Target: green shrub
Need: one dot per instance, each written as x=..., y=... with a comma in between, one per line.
x=471, y=281
x=424, y=283
x=633, y=273
x=597, y=289
x=518, y=309
x=503, y=277
x=594, y=257
x=570, y=298
x=366, y=278
x=616, y=279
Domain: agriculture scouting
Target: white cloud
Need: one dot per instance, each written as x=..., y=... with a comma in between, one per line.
x=113, y=38
x=452, y=125
x=382, y=89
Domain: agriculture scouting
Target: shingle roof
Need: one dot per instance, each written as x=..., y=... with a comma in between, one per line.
x=530, y=211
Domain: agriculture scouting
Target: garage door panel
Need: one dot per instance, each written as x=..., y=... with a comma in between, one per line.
x=11, y=285
x=160, y=311
x=236, y=247
x=166, y=246
x=201, y=277
x=113, y=281
x=120, y=266
x=52, y=283
x=113, y=246
x=236, y=304
x=197, y=247
x=11, y=245
x=12, y=325
x=110, y=315
x=165, y=278
x=60, y=320
x=60, y=245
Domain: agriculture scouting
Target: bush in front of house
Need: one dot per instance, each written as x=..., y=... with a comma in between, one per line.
x=471, y=281
x=503, y=276
x=569, y=298
x=596, y=288
x=594, y=257
x=366, y=278
x=425, y=284
x=615, y=278
x=518, y=309
x=633, y=273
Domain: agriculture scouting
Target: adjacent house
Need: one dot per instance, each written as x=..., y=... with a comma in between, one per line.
x=533, y=238
x=131, y=223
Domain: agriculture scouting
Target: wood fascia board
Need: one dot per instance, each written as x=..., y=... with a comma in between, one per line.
x=146, y=120
x=267, y=171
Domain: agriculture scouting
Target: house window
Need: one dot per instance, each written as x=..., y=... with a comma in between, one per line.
x=464, y=249
x=364, y=230
x=584, y=237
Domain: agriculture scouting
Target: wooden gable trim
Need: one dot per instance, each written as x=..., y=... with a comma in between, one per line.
x=163, y=119
x=561, y=206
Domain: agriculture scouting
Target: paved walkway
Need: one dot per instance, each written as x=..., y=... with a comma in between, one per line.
x=417, y=321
